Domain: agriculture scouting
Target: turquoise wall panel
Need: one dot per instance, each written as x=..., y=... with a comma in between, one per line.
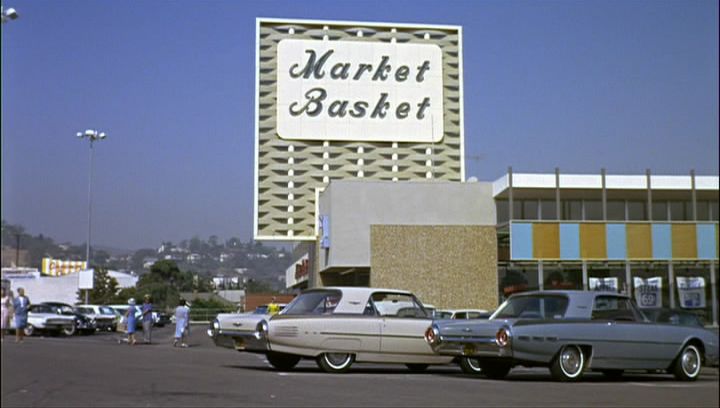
x=706, y=241
x=616, y=241
x=569, y=241
x=521, y=241
x=662, y=241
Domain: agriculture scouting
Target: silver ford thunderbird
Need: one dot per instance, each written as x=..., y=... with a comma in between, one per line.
x=336, y=326
x=572, y=332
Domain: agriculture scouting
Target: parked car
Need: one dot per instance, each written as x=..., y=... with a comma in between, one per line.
x=45, y=319
x=673, y=316
x=572, y=332
x=336, y=326
x=83, y=324
x=104, y=316
x=462, y=314
x=160, y=319
x=122, y=309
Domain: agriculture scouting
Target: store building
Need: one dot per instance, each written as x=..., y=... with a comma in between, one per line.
x=649, y=235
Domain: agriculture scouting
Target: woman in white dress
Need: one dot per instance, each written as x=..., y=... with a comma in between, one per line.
x=182, y=323
x=6, y=312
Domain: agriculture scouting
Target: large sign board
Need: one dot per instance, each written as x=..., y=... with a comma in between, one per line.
x=345, y=100
x=359, y=91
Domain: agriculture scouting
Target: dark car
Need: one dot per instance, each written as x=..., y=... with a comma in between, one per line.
x=160, y=319
x=673, y=316
x=83, y=323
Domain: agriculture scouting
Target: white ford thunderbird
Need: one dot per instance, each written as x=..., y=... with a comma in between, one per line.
x=336, y=326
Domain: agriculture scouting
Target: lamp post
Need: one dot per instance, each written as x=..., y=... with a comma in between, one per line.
x=92, y=135
x=8, y=14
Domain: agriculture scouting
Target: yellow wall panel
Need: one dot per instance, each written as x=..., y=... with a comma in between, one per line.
x=546, y=241
x=639, y=241
x=593, y=244
x=684, y=241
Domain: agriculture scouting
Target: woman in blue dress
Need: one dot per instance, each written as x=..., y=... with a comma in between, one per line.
x=131, y=324
x=20, y=304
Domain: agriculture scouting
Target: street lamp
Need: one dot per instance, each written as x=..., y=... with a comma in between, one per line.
x=92, y=135
x=8, y=14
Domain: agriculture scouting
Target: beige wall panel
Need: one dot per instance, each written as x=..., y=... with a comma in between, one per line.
x=450, y=267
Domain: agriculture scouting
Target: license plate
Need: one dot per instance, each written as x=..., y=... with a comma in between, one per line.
x=239, y=344
x=469, y=349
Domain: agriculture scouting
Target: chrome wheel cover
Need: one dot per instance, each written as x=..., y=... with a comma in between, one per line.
x=337, y=361
x=690, y=361
x=473, y=363
x=571, y=361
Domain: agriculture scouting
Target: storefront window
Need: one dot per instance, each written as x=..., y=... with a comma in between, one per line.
x=607, y=277
x=593, y=210
x=530, y=210
x=650, y=285
x=616, y=210
x=703, y=211
x=677, y=211
x=571, y=210
x=548, y=209
x=659, y=211
x=636, y=210
x=501, y=207
x=565, y=277
x=693, y=290
x=517, y=278
x=714, y=210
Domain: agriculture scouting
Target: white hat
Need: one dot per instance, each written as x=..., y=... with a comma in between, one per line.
x=131, y=301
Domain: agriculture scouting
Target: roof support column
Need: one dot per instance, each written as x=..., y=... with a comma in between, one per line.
x=557, y=192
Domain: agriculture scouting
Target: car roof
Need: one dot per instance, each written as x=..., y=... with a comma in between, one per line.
x=354, y=299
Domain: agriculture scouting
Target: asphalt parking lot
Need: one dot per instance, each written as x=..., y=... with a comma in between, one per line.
x=97, y=371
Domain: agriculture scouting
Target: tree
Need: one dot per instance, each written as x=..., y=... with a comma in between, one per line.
x=104, y=291
x=256, y=286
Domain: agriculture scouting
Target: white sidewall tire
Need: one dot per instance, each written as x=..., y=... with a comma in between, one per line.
x=581, y=367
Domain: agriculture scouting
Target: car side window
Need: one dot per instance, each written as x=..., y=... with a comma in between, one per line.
x=398, y=305
x=369, y=309
x=461, y=315
x=613, y=308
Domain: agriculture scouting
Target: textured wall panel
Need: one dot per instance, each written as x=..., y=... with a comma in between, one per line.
x=569, y=241
x=684, y=241
x=546, y=241
x=446, y=266
x=289, y=172
x=639, y=241
x=593, y=241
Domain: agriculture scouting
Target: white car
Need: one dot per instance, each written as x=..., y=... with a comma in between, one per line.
x=122, y=309
x=104, y=316
x=336, y=326
x=43, y=318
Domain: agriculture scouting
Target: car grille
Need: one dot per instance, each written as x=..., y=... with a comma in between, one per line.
x=58, y=322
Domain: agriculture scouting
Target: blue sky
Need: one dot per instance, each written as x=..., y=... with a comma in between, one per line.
x=580, y=85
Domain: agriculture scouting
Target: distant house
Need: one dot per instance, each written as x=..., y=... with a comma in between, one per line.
x=192, y=258
x=148, y=262
x=224, y=257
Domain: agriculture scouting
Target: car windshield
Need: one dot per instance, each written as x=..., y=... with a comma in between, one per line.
x=42, y=309
x=532, y=307
x=106, y=310
x=442, y=314
x=314, y=302
x=85, y=310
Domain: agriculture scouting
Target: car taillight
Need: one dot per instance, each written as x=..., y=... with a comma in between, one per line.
x=502, y=338
x=432, y=335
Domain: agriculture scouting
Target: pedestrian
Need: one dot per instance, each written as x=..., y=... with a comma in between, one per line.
x=6, y=310
x=273, y=308
x=147, y=320
x=131, y=323
x=182, y=323
x=20, y=306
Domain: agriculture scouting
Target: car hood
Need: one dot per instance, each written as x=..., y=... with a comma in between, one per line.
x=49, y=316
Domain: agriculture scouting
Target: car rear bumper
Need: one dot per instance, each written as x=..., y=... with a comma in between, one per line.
x=240, y=341
x=475, y=347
